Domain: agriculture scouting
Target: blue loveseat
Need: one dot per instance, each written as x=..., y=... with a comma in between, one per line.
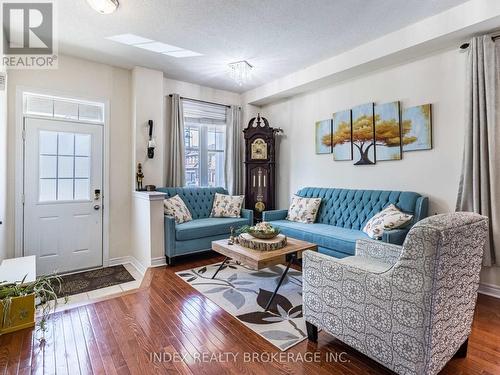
x=197, y=235
x=342, y=215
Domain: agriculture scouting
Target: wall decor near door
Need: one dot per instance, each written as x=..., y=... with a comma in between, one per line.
x=342, y=132
x=324, y=137
x=417, y=125
x=363, y=134
x=388, y=131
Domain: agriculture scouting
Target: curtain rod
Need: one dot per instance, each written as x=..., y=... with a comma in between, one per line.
x=466, y=45
x=203, y=101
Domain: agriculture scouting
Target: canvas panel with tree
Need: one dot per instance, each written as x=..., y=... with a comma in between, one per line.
x=324, y=137
x=417, y=128
x=388, y=131
x=342, y=146
x=363, y=134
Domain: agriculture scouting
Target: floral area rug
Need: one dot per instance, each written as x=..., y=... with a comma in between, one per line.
x=244, y=294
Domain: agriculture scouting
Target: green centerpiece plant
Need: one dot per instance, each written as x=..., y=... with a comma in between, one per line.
x=261, y=230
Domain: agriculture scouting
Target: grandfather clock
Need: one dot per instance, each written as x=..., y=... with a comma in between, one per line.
x=260, y=163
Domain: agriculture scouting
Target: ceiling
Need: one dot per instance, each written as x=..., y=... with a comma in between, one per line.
x=278, y=37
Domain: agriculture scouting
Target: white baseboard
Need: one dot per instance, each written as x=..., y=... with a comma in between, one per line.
x=489, y=289
x=129, y=259
x=158, y=262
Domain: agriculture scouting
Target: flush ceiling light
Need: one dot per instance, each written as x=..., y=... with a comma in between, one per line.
x=182, y=53
x=104, y=6
x=158, y=47
x=240, y=71
x=152, y=45
x=130, y=39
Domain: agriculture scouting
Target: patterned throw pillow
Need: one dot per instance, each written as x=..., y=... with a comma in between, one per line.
x=389, y=218
x=176, y=208
x=303, y=210
x=227, y=205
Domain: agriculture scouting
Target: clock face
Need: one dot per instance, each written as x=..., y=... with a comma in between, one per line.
x=260, y=206
x=259, y=149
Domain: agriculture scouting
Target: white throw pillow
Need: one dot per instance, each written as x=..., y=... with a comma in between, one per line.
x=227, y=205
x=389, y=218
x=303, y=210
x=176, y=208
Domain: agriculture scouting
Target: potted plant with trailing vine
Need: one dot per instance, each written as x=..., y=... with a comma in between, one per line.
x=20, y=300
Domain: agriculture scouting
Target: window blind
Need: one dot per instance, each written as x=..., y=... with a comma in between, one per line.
x=203, y=113
x=63, y=108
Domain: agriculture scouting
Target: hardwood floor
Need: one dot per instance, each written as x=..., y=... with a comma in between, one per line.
x=119, y=335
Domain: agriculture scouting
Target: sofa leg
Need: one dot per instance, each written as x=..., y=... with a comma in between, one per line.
x=312, y=332
x=170, y=261
x=462, y=351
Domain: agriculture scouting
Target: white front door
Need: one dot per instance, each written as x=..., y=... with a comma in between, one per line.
x=63, y=195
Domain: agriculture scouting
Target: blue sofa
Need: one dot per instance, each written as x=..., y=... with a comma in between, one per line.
x=197, y=235
x=342, y=215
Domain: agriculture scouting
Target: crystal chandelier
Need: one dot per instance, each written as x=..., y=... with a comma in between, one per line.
x=240, y=71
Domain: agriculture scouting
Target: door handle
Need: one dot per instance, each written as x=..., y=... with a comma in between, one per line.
x=97, y=207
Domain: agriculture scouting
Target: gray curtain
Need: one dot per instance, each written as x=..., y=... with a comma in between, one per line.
x=233, y=171
x=175, y=171
x=479, y=189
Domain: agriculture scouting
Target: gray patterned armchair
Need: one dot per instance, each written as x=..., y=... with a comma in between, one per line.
x=407, y=307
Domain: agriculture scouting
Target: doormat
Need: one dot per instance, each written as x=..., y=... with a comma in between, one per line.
x=87, y=281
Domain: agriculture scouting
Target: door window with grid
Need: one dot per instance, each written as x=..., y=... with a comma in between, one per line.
x=64, y=166
x=205, y=141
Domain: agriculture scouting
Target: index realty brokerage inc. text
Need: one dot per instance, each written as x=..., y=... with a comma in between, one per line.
x=248, y=357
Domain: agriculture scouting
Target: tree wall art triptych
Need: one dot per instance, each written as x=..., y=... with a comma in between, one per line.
x=341, y=137
x=369, y=133
x=323, y=137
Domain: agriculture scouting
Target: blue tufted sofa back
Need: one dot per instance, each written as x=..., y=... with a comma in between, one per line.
x=199, y=200
x=351, y=209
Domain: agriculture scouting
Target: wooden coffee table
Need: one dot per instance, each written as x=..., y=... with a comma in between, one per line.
x=258, y=260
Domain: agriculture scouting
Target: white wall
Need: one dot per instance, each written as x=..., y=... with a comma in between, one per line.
x=86, y=79
x=438, y=79
x=148, y=104
x=147, y=231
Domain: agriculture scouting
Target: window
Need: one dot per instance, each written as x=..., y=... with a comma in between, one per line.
x=63, y=108
x=205, y=141
x=64, y=166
